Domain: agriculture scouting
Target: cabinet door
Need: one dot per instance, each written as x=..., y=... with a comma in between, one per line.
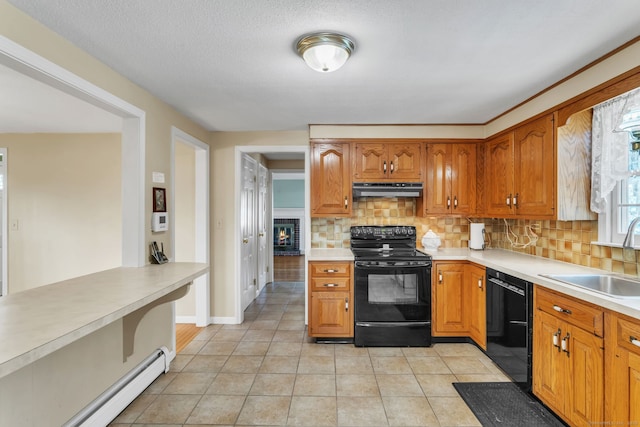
x=405, y=162
x=478, y=304
x=499, y=175
x=438, y=189
x=585, y=378
x=634, y=389
x=330, y=314
x=330, y=180
x=370, y=162
x=534, y=168
x=548, y=361
x=449, y=294
x=463, y=178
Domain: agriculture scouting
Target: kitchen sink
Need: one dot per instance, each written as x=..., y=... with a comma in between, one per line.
x=608, y=284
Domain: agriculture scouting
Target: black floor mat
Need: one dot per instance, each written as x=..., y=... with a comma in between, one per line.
x=505, y=404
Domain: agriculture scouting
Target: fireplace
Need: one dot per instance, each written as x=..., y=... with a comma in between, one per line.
x=286, y=236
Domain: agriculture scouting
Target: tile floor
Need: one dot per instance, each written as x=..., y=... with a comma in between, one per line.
x=267, y=372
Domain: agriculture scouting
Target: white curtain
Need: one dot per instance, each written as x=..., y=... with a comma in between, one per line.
x=610, y=148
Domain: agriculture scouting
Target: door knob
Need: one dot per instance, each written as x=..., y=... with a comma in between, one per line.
x=245, y=240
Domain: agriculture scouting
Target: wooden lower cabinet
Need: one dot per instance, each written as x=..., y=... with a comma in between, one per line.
x=330, y=299
x=459, y=301
x=622, y=383
x=568, y=361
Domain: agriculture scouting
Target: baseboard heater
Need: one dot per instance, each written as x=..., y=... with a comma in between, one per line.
x=109, y=404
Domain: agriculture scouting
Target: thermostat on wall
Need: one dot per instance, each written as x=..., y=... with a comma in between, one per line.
x=160, y=222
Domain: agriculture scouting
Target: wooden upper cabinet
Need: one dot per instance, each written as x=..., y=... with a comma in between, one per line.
x=451, y=179
x=521, y=171
x=376, y=161
x=535, y=169
x=330, y=179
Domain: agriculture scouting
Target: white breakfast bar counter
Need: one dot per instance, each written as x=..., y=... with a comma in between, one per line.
x=36, y=322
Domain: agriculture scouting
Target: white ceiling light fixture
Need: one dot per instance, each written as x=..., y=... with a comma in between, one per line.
x=325, y=52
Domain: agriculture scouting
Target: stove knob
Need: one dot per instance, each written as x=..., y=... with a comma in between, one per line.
x=410, y=231
x=355, y=231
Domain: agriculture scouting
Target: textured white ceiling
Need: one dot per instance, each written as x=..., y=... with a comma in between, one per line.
x=232, y=65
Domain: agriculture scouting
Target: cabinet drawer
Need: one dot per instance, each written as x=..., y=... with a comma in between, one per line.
x=330, y=283
x=330, y=269
x=578, y=313
x=629, y=335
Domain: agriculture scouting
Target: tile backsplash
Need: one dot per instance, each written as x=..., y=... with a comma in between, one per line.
x=568, y=241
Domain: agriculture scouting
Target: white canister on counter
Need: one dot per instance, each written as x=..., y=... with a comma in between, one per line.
x=476, y=236
x=431, y=241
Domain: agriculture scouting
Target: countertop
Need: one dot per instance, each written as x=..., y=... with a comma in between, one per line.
x=526, y=267
x=36, y=322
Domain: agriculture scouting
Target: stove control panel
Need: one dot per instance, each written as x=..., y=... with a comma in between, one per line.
x=378, y=232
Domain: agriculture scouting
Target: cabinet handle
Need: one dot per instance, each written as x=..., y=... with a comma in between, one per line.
x=448, y=202
x=384, y=166
x=480, y=283
x=455, y=201
x=565, y=344
x=391, y=166
x=346, y=304
x=515, y=200
x=330, y=285
x=261, y=234
x=330, y=270
x=509, y=200
x=245, y=240
x=561, y=310
x=346, y=202
x=440, y=277
x=634, y=341
x=556, y=340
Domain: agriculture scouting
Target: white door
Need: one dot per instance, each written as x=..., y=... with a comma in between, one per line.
x=263, y=205
x=248, y=279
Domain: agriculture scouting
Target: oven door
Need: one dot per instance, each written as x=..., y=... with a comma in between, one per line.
x=393, y=291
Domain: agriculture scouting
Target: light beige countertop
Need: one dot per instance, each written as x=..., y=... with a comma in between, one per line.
x=330, y=254
x=530, y=267
x=36, y=322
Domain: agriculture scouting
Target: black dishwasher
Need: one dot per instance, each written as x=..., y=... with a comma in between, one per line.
x=510, y=325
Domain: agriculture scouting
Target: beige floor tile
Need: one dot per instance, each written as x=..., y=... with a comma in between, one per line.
x=465, y=365
x=312, y=411
x=229, y=335
x=259, y=335
x=437, y=384
x=390, y=365
x=291, y=325
x=160, y=383
x=202, y=363
x=353, y=365
x=357, y=385
x=399, y=385
x=457, y=349
x=292, y=316
x=289, y=336
x=217, y=410
x=385, y=351
x=251, y=348
x=279, y=365
x=313, y=349
x=409, y=411
x=265, y=324
x=284, y=349
x=452, y=411
x=180, y=361
x=349, y=350
x=136, y=408
x=207, y=332
x=218, y=348
x=265, y=410
x=231, y=384
x=193, y=347
x=242, y=326
x=361, y=411
x=316, y=365
x=190, y=383
x=294, y=308
x=315, y=385
x=419, y=352
x=428, y=365
x=273, y=385
x=482, y=378
x=169, y=409
x=280, y=307
x=270, y=315
x=242, y=364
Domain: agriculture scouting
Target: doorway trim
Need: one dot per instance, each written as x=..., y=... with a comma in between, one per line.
x=253, y=149
x=201, y=284
x=30, y=63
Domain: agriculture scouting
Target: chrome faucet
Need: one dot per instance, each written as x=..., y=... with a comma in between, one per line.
x=629, y=240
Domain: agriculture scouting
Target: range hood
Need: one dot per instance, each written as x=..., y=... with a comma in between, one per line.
x=387, y=189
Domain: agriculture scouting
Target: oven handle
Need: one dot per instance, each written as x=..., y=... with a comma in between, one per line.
x=390, y=324
x=365, y=264
x=507, y=286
